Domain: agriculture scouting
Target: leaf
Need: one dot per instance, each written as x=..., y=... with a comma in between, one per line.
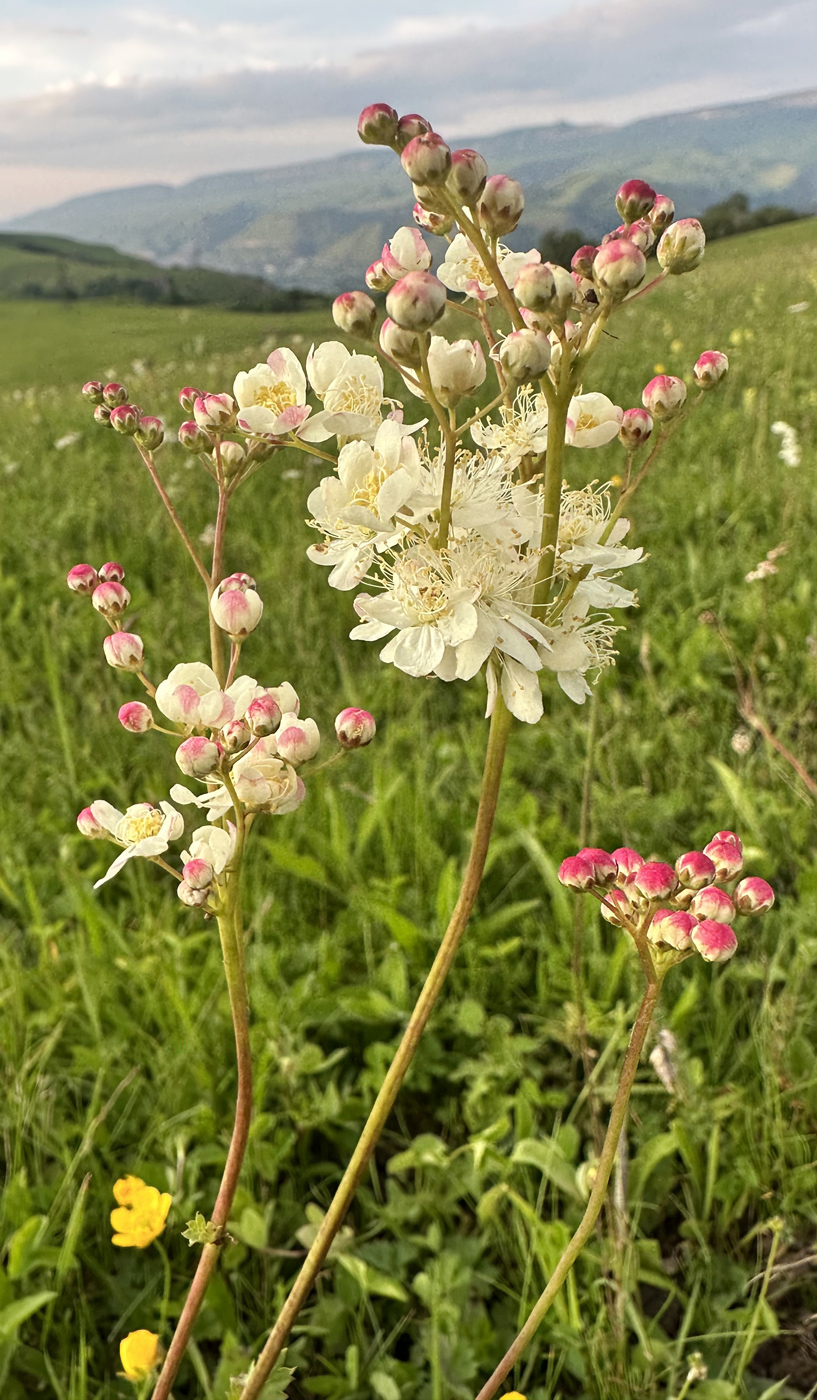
x=303, y=866
x=251, y=1228
x=371, y=1280
x=384, y=1385
x=402, y=930
x=655, y=1151
x=551, y=1161
x=17, y=1313
x=24, y=1244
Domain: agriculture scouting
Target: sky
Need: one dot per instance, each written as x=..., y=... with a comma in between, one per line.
x=100, y=96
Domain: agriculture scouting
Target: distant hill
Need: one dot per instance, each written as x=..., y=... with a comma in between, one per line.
x=45, y=266
x=319, y=224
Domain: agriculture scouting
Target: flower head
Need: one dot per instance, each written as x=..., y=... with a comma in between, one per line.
x=143, y=830
x=139, y=1353
x=140, y=1215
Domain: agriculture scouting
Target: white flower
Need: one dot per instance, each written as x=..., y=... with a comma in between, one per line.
x=789, y=446
x=143, y=830
x=456, y=368
x=596, y=420
x=191, y=695
x=523, y=431
x=464, y=271
x=577, y=646
x=213, y=844
x=268, y=394
x=520, y=689
x=406, y=252
x=263, y=782
x=482, y=500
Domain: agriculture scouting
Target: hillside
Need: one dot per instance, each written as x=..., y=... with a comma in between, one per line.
x=318, y=224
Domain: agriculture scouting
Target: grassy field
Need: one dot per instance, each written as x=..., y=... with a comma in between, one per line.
x=116, y=1044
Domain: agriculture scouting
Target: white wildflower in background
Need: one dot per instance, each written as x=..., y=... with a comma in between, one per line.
x=68, y=440
x=767, y=566
x=741, y=742
x=797, y=307
x=789, y=445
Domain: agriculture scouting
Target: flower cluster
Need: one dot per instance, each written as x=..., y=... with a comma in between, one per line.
x=682, y=909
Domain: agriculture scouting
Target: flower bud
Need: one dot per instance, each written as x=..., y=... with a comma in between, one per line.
x=672, y=927
x=456, y=369
x=615, y=908
x=628, y=863
x=110, y=599
x=583, y=260
x=406, y=252
x=93, y=391
x=125, y=419
x=712, y=903
x=427, y=159
x=214, y=411
x=403, y=346
x=355, y=314
x=83, y=578
x=664, y=396
x=237, y=611
x=710, y=368
x=726, y=857
x=636, y=426
x=354, y=728
x=619, y=268
x=714, y=941
x=111, y=572
x=681, y=247
x=416, y=301
x=729, y=836
x=232, y=456
x=114, y=394
x=467, y=176
x=501, y=205
x=634, y=199
x=297, y=739
x=124, y=650
x=431, y=222
x=694, y=870
x=377, y=125
x=753, y=896
x=642, y=234
x=135, y=717
x=662, y=212
x=198, y=873
x=432, y=198
x=194, y=899
x=655, y=879
x=237, y=580
x=535, y=286
x=193, y=438
x=603, y=864
x=151, y=433
x=409, y=126
x=198, y=757
x=263, y=715
x=377, y=278
x=524, y=355
x=235, y=736
x=585, y=293
x=102, y=414
x=576, y=873
x=89, y=826
x=188, y=396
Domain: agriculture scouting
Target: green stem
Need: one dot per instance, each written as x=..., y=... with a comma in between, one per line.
x=450, y=440
x=597, y=1195
x=748, y=1345
x=147, y=458
x=216, y=635
x=492, y=266
x=494, y=760
x=552, y=489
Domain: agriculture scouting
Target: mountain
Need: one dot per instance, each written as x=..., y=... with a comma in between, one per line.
x=319, y=224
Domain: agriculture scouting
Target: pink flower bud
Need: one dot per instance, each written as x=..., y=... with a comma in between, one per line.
x=662, y=212
x=199, y=874
x=111, y=572
x=726, y=857
x=409, y=126
x=712, y=903
x=355, y=314
x=576, y=873
x=355, y=728
x=194, y=899
x=714, y=941
x=535, y=286
x=377, y=278
x=604, y=866
x=583, y=260
x=377, y=125
x=125, y=418
x=524, y=355
x=664, y=396
x=151, y=433
x=615, y=908
x=614, y=234
x=89, y=826
x=628, y=863
x=417, y=301
x=406, y=252
x=634, y=199
x=232, y=456
x=297, y=740
x=198, y=757
x=124, y=650
x=655, y=879
x=102, y=414
x=237, y=580
x=501, y=205
x=110, y=599
x=753, y=896
x=619, y=268
x=214, y=411
x=636, y=426
x=237, y=611
x=193, y=438
x=729, y=836
x=136, y=717
x=431, y=222
x=467, y=176
x=235, y=736
x=403, y=346
x=82, y=579
x=694, y=870
x=585, y=294
x=672, y=927
x=433, y=198
x=188, y=396
x=642, y=234
x=114, y=394
x=710, y=368
x=264, y=715
x=681, y=246
x=427, y=159
x=93, y=391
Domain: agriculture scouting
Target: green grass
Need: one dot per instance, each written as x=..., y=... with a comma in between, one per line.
x=116, y=1044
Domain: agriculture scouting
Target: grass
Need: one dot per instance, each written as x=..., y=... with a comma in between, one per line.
x=116, y=1046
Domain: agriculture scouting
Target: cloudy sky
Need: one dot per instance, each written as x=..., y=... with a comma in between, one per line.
x=98, y=96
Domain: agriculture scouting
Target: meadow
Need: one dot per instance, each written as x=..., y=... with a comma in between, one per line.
x=117, y=1051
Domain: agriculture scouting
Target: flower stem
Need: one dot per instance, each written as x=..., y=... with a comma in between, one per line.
x=147, y=458
x=597, y=1195
x=494, y=760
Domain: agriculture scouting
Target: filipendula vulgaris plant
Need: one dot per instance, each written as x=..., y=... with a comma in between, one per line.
x=471, y=555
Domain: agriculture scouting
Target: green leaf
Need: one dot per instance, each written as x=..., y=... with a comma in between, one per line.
x=24, y=1244
x=371, y=1280
x=251, y=1228
x=303, y=866
x=551, y=1161
x=655, y=1151
x=17, y=1313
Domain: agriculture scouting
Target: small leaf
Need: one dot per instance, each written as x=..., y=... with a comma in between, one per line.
x=15, y=1314
x=550, y=1160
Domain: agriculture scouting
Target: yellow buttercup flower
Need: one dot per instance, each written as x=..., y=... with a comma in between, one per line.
x=141, y=1213
x=139, y=1353
x=513, y=1395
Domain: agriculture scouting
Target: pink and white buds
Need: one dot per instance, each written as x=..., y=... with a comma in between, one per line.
x=628, y=863
x=409, y=126
x=193, y=898
x=636, y=426
x=619, y=268
x=83, y=578
x=125, y=419
x=151, y=433
x=377, y=125
x=198, y=873
x=135, y=717
x=193, y=438
x=710, y=368
x=214, y=411
x=124, y=650
x=188, y=396
x=432, y=222
x=406, y=252
x=603, y=864
x=694, y=870
x=236, y=606
x=110, y=599
x=753, y=896
x=524, y=355
x=642, y=234
x=672, y=927
x=377, y=278
x=577, y=873
x=714, y=941
x=583, y=260
x=615, y=908
x=93, y=391
x=403, y=346
x=664, y=396
x=89, y=826
x=662, y=212
x=354, y=728
x=427, y=159
x=263, y=715
x=232, y=456
x=114, y=394
x=635, y=198
x=456, y=368
x=535, y=286
x=726, y=856
x=297, y=740
x=731, y=836
x=501, y=205
x=111, y=572
x=198, y=757
x=467, y=176
x=433, y=198
x=655, y=879
x=355, y=314
x=712, y=903
x=681, y=246
x=417, y=301
x=235, y=736
x=102, y=414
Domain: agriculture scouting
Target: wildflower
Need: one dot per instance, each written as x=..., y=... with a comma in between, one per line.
x=464, y=271
x=501, y=205
x=262, y=781
x=140, y=1215
x=406, y=252
x=522, y=431
x=456, y=368
x=191, y=695
x=271, y=398
x=213, y=846
x=351, y=387
x=789, y=446
x=139, y=1353
x=143, y=830
x=596, y=420
x=354, y=728
x=741, y=742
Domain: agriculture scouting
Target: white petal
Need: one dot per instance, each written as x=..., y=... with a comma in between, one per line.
x=521, y=692
x=417, y=650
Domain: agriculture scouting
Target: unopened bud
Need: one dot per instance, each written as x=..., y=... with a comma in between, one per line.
x=124, y=650
x=112, y=572
x=355, y=314
x=664, y=396
x=237, y=580
x=615, y=908
x=433, y=198
x=565, y=293
x=93, y=391
x=263, y=715
x=83, y=578
x=235, y=736
x=714, y=941
x=237, y=611
x=524, y=355
x=125, y=419
x=662, y=213
x=604, y=865
x=409, y=126
x=636, y=426
x=619, y=268
x=694, y=870
x=634, y=199
x=427, y=159
x=730, y=836
x=89, y=826
x=726, y=857
x=194, y=899
x=628, y=863
x=214, y=411
x=753, y=896
x=114, y=394
x=501, y=205
x=672, y=927
x=193, y=438
x=110, y=599
x=710, y=368
x=655, y=879
x=198, y=873
x=403, y=346
x=297, y=740
x=355, y=728
x=712, y=903
x=467, y=176
x=136, y=717
x=577, y=874
x=431, y=222
x=188, y=396
x=535, y=286
x=232, y=456
x=681, y=247
x=456, y=368
x=642, y=234
x=417, y=301
x=406, y=252
x=151, y=433
x=583, y=260
x=198, y=757
x=377, y=125
x=377, y=278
